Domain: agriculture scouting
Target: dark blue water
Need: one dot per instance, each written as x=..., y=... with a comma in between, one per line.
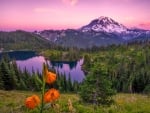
x=19, y=55
x=31, y=61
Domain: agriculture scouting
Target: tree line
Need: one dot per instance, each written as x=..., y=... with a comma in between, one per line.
x=12, y=78
x=128, y=66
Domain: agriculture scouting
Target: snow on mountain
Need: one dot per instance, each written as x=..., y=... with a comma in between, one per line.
x=108, y=25
x=104, y=24
x=99, y=32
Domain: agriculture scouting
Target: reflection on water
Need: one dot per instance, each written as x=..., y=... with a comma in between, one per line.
x=35, y=63
x=31, y=61
x=60, y=64
x=72, y=68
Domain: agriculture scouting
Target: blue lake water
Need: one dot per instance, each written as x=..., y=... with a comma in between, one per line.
x=31, y=61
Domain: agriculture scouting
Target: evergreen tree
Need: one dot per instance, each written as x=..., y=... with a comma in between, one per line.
x=22, y=85
x=6, y=77
x=64, y=83
x=13, y=77
x=87, y=62
x=70, y=86
x=1, y=80
x=96, y=87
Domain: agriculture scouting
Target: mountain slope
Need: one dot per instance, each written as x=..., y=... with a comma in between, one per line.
x=102, y=31
x=21, y=40
x=79, y=39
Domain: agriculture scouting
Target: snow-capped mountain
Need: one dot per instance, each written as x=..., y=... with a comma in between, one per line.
x=108, y=25
x=104, y=24
x=102, y=31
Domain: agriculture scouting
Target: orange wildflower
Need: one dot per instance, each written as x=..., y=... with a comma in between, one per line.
x=51, y=95
x=32, y=101
x=50, y=77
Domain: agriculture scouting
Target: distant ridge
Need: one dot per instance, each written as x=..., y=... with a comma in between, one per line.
x=21, y=40
x=102, y=31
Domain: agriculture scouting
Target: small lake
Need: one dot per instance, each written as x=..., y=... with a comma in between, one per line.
x=31, y=61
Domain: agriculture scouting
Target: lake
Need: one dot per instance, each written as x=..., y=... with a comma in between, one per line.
x=31, y=61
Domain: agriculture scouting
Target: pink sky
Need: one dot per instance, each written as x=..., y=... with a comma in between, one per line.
x=62, y=14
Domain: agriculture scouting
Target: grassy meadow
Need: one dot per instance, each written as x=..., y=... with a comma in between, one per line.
x=13, y=102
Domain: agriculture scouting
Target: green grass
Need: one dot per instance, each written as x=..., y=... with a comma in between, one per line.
x=13, y=102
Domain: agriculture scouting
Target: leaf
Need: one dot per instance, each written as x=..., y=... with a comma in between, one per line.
x=39, y=80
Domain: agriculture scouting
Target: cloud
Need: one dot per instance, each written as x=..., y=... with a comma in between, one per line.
x=70, y=2
x=145, y=25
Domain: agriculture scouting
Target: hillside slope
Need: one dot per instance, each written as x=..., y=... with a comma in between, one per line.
x=17, y=40
x=102, y=31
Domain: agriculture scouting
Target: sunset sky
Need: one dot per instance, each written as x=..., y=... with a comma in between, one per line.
x=33, y=15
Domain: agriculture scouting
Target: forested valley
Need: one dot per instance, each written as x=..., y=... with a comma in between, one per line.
x=108, y=71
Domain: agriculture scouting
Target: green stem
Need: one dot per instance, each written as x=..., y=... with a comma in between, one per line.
x=43, y=90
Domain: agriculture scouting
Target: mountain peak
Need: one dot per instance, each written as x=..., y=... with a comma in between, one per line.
x=104, y=24
x=106, y=20
x=101, y=18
